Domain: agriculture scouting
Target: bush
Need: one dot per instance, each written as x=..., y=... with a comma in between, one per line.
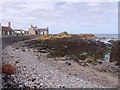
x=64, y=33
x=8, y=69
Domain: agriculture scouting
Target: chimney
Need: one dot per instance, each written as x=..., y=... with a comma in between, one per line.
x=9, y=24
x=0, y=30
x=0, y=25
x=35, y=26
x=31, y=25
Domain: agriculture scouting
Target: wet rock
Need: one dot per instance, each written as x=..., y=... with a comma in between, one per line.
x=33, y=79
x=12, y=56
x=13, y=49
x=42, y=85
x=23, y=50
x=100, y=62
x=60, y=86
x=24, y=66
x=42, y=51
x=101, y=69
x=16, y=62
x=114, y=69
x=75, y=74
x=82, y=63
x=17, y=48
x=111, y=41
x=35, y=51
x=63, y=86
x=33, y=69
x=23, y=46
x=68, y=63
x=86, y=64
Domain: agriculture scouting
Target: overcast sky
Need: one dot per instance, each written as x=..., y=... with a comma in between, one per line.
x=73, y=17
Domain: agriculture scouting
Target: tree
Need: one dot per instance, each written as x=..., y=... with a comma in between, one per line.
x=64, y=33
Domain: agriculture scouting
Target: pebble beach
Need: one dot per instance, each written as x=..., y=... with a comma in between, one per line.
x=36, y=70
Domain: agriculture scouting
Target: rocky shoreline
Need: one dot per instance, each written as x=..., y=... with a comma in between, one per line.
x=27, y=74
x=36, y=70
x=42, y=75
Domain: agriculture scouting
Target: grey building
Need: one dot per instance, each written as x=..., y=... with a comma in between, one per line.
x=38, y=31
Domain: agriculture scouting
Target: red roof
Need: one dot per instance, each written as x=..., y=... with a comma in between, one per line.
x=4, y=28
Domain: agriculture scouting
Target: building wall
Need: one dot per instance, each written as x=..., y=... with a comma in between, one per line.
x=26, y=32
x=7, y=33
x=37, y=31
x=4, y=33
x=23, y=31
x=43, y=32
x=32, y=31
x=8, y=30
x=0, y=30
x=0, y=33
x=17, y=32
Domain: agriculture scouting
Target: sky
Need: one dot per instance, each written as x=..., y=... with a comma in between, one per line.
x=73, y=17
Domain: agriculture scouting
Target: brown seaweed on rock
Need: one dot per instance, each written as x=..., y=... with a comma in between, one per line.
x=71, y=45
x=115, y=51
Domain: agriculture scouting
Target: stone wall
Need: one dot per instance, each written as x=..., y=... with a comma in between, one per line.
x=10, y=40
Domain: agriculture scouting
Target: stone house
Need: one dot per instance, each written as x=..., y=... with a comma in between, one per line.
x=38, y=31
x=7, y=30
x=32, y=30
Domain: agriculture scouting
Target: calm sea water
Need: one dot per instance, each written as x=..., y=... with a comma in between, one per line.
x=115, y=36
x=106, y=37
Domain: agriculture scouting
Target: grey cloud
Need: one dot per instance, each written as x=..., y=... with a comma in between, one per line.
x=59, y=13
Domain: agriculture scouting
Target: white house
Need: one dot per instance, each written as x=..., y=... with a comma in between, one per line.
x=20, y=31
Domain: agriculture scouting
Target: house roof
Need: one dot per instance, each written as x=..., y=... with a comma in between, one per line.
x=18, y=30
x=4, y=28
x=43, y=29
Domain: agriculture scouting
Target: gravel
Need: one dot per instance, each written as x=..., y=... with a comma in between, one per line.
x=37, y=73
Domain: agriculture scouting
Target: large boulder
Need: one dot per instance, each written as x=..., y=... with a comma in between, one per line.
x=115, y=52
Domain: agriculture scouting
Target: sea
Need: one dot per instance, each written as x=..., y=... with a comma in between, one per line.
x=106, y=37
